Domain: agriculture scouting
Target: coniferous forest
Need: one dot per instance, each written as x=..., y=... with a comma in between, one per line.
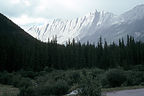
x=37, y=56
x=21, y=51
x=51, y=69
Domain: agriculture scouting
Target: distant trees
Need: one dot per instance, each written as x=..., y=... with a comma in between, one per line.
x=35, y=56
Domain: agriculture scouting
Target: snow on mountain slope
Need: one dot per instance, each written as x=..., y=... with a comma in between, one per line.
x=92, y=26
x=134, y=14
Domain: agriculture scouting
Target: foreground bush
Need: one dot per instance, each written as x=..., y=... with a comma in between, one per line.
x=6, y=78
x=73, y=78
x=89, y=86
x=29, y=91
x=114, y=78
x=134, y=78
x=56, y=88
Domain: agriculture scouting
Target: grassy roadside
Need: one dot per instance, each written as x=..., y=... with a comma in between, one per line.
x=7, y=90
x=121, y=88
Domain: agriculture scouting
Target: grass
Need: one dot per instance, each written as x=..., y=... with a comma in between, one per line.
x=7, y=90
x=121, y=88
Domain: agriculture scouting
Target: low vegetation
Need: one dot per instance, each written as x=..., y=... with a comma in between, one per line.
x=88, y=82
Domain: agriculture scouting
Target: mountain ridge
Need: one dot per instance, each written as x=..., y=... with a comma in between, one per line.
x=88, y=27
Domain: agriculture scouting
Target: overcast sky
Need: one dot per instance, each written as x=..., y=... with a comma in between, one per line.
x=28, y=12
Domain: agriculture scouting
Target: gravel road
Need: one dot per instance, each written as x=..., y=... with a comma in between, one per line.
x=133, y=92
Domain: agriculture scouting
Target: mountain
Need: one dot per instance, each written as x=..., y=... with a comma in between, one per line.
x=12, y=33
x=129, y=23
x=16, y=46
x=20, y=51
x=69, y=29
x=103, y=24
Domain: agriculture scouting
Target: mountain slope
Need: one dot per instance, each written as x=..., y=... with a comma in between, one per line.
x=130, y=23
x=11, y=32
x=15, y=46
x=92, y=26
x=77, y=28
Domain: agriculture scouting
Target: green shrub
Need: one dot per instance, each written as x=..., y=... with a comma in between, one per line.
x=114, y=78
x=29, y=74
x=73, y=77
x=6, y=78
x=60, y=87
x=138, y=68
x=16, y=79
x=51, y=87
x=134, y=78
x=48, y=69
x=104, y=81
x=29, y=91
x=24, y=83
x=89, y=87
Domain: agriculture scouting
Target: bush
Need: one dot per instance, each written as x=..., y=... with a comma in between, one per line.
x=73, y=78
x=61, y=87
x=51, y=87
x=16, y=79
x=5, y=78
x=48, y=69
x=29, y=74
x=138, y=68
x=24, y=83
x=29, y=91
x=89, y=87
x=114, y=78
x=134, y=78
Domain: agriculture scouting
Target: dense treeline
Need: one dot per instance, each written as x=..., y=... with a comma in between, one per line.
x=36, y=56
x=19, y=50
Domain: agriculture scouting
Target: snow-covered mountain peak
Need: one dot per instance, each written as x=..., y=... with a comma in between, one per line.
x=91, y=26
x=75, y=28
